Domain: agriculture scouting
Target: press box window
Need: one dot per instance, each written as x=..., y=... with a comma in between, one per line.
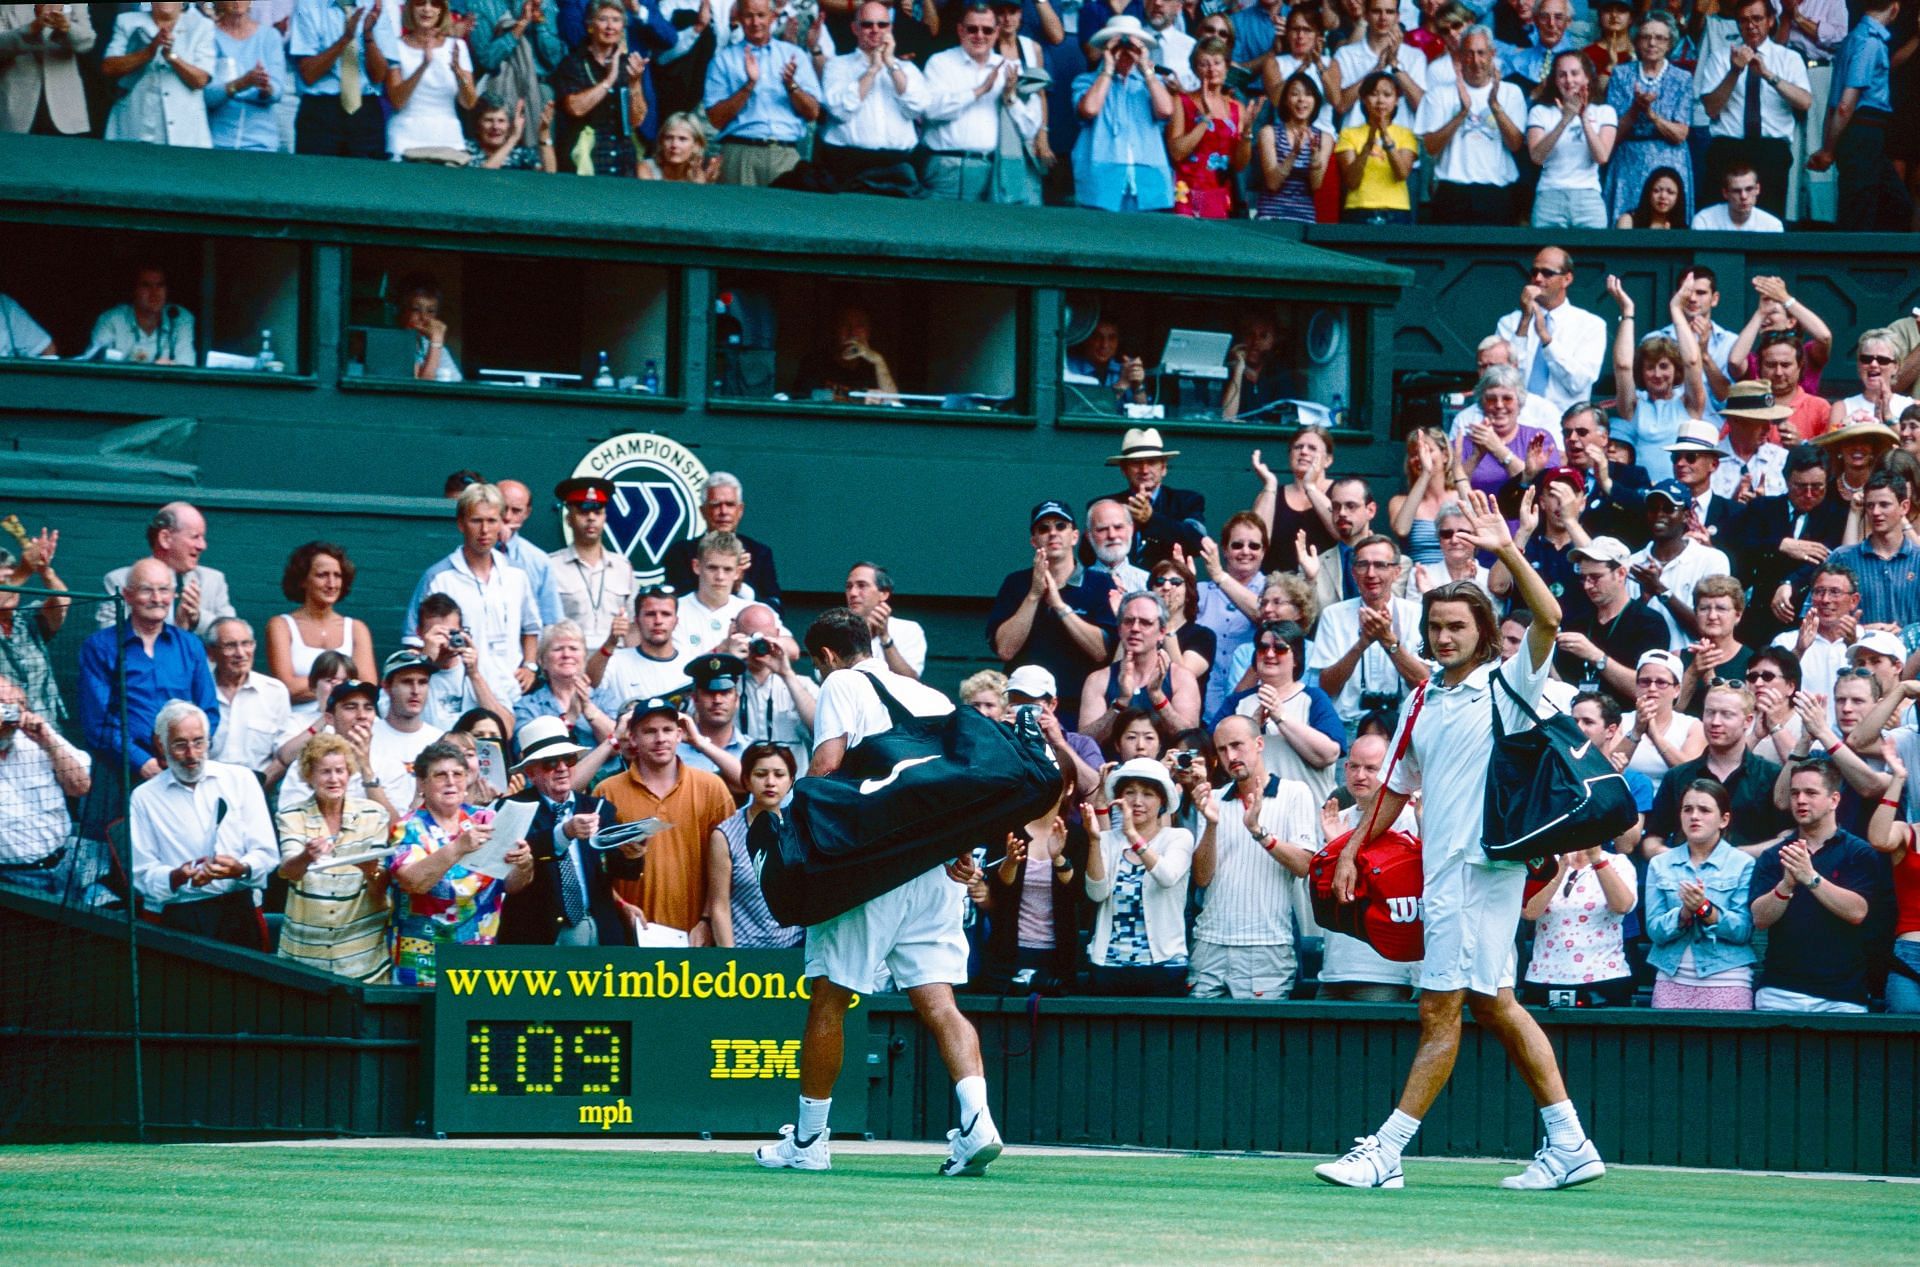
x=510, y=321
x=1159, y=357
x=863, y=345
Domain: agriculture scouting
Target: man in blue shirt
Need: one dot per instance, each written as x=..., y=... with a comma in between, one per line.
x=1887, y=563
x=761, y=94
x=340, y=54
x=1872, y=195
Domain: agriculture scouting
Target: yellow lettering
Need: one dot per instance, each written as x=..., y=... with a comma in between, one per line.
x=750, y=985
x=636, y=985
x=703, y=985
x=665, y=981
x=581, y=982
x=540, y=981
x=780, y=1059
x=500, y=981
x=462, y=980
x=720, y=1047
x=726, y=984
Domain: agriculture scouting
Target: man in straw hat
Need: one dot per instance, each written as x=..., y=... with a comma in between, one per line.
x=1752, y=463
x=1163, y=516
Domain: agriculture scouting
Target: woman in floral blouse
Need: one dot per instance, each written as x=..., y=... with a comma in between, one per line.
x=1577, y=942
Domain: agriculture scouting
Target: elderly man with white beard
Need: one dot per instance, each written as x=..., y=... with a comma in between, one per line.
x=1110, y=538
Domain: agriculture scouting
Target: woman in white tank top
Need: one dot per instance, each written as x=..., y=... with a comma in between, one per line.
x=1655, y=736
x=318, y=576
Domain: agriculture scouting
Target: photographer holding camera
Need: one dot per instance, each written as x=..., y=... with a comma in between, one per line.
x=459, y=682
x=776, y=704
x=1120, y=159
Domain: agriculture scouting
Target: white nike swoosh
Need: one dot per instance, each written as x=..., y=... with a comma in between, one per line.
x=869, y=786
x=1581, y=751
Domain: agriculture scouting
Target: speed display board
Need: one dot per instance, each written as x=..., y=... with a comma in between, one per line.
x=566, y=1040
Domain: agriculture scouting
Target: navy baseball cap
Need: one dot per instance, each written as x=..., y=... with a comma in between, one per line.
x=350, y=688
x=1050, y=509
x=1674, y=491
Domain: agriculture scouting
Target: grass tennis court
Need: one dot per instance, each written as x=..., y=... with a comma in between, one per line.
x=345, y=1205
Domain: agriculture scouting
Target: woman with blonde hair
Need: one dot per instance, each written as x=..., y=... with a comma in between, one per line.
x=336, y=916
x=680, y=152
x=429, y=82
x=985, y=692
x=1412, y=513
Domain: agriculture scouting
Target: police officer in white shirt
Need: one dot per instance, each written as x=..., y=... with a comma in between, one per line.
x=873, y=99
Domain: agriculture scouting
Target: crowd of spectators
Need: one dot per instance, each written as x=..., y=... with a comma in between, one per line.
x=1735, y=556
x=1716, y=114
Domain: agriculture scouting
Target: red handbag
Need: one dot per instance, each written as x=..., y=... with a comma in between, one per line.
x=1385, y=911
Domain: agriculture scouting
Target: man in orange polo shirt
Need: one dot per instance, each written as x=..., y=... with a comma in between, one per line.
x=673, y=888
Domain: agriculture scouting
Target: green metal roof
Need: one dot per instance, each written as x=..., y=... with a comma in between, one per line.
x=312, y=198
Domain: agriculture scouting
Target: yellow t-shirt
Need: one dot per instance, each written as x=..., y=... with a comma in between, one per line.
x=1379, y=189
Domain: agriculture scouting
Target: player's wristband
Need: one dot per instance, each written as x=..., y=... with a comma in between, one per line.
x=1782, y=897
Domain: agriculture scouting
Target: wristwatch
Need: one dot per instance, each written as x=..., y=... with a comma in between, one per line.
x=1816, y=882
x=886, y=642
x=370, y=781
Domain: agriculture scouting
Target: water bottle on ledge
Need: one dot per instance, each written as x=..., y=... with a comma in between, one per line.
x=650, y=380
x=1338, y=411
x=266, y=361
x=603, y=377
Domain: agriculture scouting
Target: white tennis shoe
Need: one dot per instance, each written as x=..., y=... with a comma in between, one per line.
x=970, y=1153
x=1559, y=1168
x=1364, y=1166
x=786, y=1153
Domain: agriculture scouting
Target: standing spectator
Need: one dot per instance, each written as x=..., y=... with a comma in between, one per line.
x=735, y=904
x=564, y=691
x=1229, y=602
x=436, y=900
x=200, y=839
x=1749, y=462
x=872, y=98
x=1872, y=193
x=1887, y=561
x=426, y=89
x=1718, y=604
x=1144, y=676
x=1352, y=971
x=1498, y=448
x=27, y=621
x=777, y=705
x=1365, y=647
x=1877, y=353
x=254, y=712
x=761, y=93
x=722, y=506
x=1659, y=383
x=1110, y=535
x=569, y=899
x=318, y=576
x=1697, y=913
x=1209, y=139
x=1257, y=30
x=1548, y=530
x=660, y=32
x=250, y=80
x=493, y=594
x=1780, y=318
x=1653, y=101
x=1303, y=734
x=1472, y=134
x=1900, y=845
x=1572, y=139
x=1165, y=518
x=516, y=48
x=1529, y=62
x=149, y=330
x=672, y=891
x=706, y=615
x=1377, y=156
x=1411, y=514
x=1054, y=614
x=39, y=773
x=1557, y=345
x=1612, y=45
x=595, y=585
x=1744, y=775
x=1776, y=536
x=1604, y=650
x=1667, y=569
x=903, y=643
x=1753, y=92
x=985, y=693
x=163, y=662
x=1303, y=507
x=711, y=738
x=40, y=86
x=965, y=87
x=1382, y=51
x=1458, y=560
x=654, y=665
x=1120, y=158
x=1305, y=54
x=336, y=916
x=598, y=88
x=1577, y=942
x=1187, y=641
x=459, y=681
x=341, y=55
x=1137, y=876
x=517, y=501
x=1294, y=152
x=1739, y=209
x=1659, y=736
x=160, y=62
x=1825, y=900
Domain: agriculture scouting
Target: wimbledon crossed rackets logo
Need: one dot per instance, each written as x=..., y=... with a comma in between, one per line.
x=656, y=495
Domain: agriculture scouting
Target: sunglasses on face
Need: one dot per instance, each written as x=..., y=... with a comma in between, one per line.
x=1537, y=271
x=873, y=26
x=1274, y=648
x=1447, y=534
x=1648, y=683
x=1164, y=582
x=1866, y=359
x=1762, y=675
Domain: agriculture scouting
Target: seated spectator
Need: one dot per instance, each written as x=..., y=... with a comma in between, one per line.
x=1209, y=138
x=159, y=64
x=1257, y=376
x=672, y=891
x=318, y=576
x=39, y=773
x=1032, y=913
x=342, y=57
x=1572, y=139
x=1053, y=614
x=1759, y=72
x=459, y=680
x=1662, y=202
x=1134, y=735
x=1656, y=737
x=1747, y=776
x=848, y=366
x=735, y=906
x=1303, y=733
x=194, y=864
x=1377, y=156
x=1885, y=561
x=599, y=90
x=1458, y=560
x=655, y=664
x=1352, y=971
x=436, y=900
x=1119, y=161
x=761, y=93
x=681, y=153
x=564, y=691
x=304, y=721
x=1498, y=448
x=1109, y=540
x=243, y=112
x=1143, y=676
x=1294, y=150
x=722, y=506
x=1825, y=900
x=254, y=711
x=1603, y=651
x=1493, y=353
x=1738, y=210
x=149, y=330
x=1659, y=382
x=41, y=90
x=163, y=662
x=1229, y=601
x=1667, y=569
x=1472, y=134
x=1136, y=877
x=1366, y=647
x=872, y=98
x=1098, y=358
x=1779, y=318
x=417, y=305
x=495, y=597
x=1777, y=536
x=1873, y=193
x=1718, y=605
x=593, y=584
x=1578, y=947
x=1697, y=913
x=336, y=916
x=1164, y=517
x=985, y=693
x=1557, y=345
x=20, y=334
x=27, y=621
x=777, y=705
x=499, y=139
x=1897, y=842
x=1877, y=352
x=569, y=901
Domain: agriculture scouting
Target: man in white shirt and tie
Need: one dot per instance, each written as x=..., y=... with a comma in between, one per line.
x=1754, y=94
x=1557, y=345
x=872, y=98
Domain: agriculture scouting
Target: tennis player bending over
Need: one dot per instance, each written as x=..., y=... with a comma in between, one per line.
x=1471, y=904
x=915, y=930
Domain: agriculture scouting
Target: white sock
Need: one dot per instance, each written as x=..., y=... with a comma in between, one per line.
x=1395, y=1134
x=973, y=1099
x=813, y=1120
x=1563, y=1125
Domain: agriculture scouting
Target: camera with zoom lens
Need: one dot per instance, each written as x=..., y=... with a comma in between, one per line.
x=9, y=714
x=760, y=646
x=1380, y=702
x=1183, y=759
x=458, y=640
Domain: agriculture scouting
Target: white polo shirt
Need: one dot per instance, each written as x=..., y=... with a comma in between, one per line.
x=33, y=808
x=1681, y=575
x=1250, y=901
x=252, y=720
x=1339, y=629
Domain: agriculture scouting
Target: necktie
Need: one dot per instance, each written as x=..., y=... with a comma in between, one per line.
x=1752, y=132
x=1537, y=372
x=573, y=895
x=350, y=67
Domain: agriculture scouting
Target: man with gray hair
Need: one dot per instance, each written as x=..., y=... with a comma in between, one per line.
x=1110, y=538
x=255, y=711
x=177, y=536
x=722, y=506
x=1144, y=677
x=1472, y=134
x=39, y=772
x=202, y=842
x=151, y=662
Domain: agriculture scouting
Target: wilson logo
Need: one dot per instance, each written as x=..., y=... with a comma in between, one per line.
x=1403, y=910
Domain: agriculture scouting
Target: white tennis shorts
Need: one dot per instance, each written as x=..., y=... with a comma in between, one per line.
x=1471, y=912
x=914, y=930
